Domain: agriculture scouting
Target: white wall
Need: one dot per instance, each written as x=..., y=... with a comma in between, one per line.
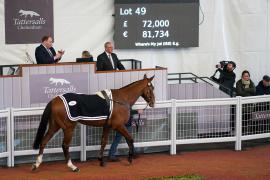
x=233, y=30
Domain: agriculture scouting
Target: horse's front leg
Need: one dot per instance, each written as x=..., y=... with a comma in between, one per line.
x=123, y=130
x=105, y=134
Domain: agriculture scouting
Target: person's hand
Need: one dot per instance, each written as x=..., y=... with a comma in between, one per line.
x=61, y=52
x=140, y=111
x=58, y=56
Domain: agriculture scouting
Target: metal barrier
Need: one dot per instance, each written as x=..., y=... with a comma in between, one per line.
x=207, y=121
x=255, y=112
x=5, y=146
x=24, y=125
x=154, y=131
x=168, y=124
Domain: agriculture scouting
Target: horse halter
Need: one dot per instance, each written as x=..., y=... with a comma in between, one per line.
x=147, y=96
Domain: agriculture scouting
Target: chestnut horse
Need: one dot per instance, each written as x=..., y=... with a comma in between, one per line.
x=56, y=116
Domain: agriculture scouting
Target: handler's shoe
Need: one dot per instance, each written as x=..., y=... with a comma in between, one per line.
x=113, y=159
x=135, y=156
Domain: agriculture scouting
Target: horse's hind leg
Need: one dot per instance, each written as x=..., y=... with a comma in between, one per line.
x=105, y=134
x=53, y=128
x=66, y=142
x=123, y=130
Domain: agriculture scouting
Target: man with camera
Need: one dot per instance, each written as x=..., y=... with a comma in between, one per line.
x=226, y=80
x=227, y=76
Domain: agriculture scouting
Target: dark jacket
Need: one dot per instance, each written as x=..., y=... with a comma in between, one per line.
x=226, y=79
x=104, y=63
x=43, y=56
x=242, y=91
x=261, y=89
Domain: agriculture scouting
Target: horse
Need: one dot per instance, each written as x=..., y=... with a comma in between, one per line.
x=55, y=116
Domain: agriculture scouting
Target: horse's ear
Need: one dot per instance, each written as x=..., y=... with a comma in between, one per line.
x=145, y=76
x=151, y=78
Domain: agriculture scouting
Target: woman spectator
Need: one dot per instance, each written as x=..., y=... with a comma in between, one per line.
x=86, y=54
x=245, y=87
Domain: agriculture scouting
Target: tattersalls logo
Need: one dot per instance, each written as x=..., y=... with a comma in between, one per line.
x=44, y=87
x=28, y=20
x=58, y=86
x=55, y=81
x=26, y=13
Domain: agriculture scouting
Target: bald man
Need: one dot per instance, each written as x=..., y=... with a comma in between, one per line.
x=108, y=60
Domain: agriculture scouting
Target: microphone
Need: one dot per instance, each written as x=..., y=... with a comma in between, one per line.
x=29, y=58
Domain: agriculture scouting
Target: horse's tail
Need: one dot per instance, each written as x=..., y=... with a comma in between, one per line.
x=43, y=125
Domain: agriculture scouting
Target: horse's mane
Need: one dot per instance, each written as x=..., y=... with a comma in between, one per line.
x=131, y=84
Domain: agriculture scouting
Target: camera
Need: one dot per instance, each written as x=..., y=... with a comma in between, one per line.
x=223, y=64
x=222, y=68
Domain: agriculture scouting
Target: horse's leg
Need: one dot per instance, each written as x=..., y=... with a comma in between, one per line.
x=65, y=146
x=53, y=128
x=105, y=134
x=123, y=130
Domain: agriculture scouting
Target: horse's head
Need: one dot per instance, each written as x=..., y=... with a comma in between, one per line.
x=148, y=92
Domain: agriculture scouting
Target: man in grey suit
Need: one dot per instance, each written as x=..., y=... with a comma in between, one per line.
x=108, y=60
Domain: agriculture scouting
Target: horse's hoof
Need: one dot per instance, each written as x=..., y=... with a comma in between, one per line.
x=34, y=167
x=130, y=160
x=102, y=164
x=76, y=170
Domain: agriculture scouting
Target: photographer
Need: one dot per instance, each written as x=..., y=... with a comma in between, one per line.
x=226, y=77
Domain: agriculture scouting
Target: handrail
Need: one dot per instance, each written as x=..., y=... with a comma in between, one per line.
x=194, y=79
x=221, y=85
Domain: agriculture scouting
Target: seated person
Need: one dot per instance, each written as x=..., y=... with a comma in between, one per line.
x=263, y=88
x=245, y=87
x=45, y=53
x=86, y=54
x=108, y=60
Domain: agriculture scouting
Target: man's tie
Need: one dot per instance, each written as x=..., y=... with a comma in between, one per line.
x=110, y=57
x=49, y=51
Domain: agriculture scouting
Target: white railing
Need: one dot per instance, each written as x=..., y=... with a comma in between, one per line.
x=5, y=136
x=170, y=123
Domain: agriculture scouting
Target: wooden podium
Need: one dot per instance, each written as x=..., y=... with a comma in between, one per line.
x=15, y=89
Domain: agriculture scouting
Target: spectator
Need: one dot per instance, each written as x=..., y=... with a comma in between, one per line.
x=245, y=87
x=263, y=88
x=108, y=60
x=86, y=54
x=226, y=77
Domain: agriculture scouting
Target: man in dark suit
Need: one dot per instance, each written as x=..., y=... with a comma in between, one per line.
x=108, y=60
x=45, y=53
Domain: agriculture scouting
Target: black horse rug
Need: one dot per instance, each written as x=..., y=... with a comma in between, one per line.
x=87, y=107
